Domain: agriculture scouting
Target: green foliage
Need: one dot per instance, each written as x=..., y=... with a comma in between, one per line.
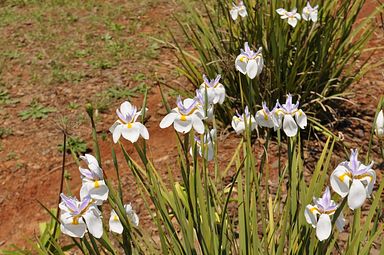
x=5, y=98
x=4, y=132
x=316, y=61
x=36, y=111
x=74, y=145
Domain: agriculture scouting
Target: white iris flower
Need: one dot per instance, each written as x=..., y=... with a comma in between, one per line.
x=205, y=109
x=114, y=221
x=292, y=16
x=284, y=114
x=266, y=118
x=310, y=13
x=379, y=129
x=214, y=89
x=93, y=180
x=238, y=10
x=127, y=124
x=208, y=145
x=318, y=215
x=78, y=217
x=249, y=62
x=185, y=117
x=353, y=179
x=239, y=122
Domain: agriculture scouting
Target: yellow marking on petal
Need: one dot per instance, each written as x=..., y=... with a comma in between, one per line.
x=96, y=184
x=342, y=177
x=115, y=218
x=129, y=125
x=313, y=209
x=183, y=118
x=359, y=177
x=330, y=212
x=75, y=220
x=243, y=59
x=265, y=116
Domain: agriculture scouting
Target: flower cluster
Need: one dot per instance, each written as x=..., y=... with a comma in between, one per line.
x=78, y=217
x=350, y=178
x=237, y=10
x=308, y=13
x=287, y=116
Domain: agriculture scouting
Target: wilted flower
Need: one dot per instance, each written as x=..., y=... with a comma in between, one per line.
x=266, y=118
x=78, y=216
x=310, y=13
x=205, y=109
x=93, y=180
x=114, y=221
x=380, y=124
x=318, y=215
x=285, y=113
x=185, y=116
x=208, y=145
x=250, y=62
x=353, y=179
x=127, y=125
x=214, y=89
x=238, y=10
x=292, y=16
x=239, y=122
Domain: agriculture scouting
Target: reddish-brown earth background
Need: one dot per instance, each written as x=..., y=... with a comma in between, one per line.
x=29, y=159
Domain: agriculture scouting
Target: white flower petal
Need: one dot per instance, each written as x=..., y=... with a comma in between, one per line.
x=198, y=124
x=97, y=190
x=168, y=119
x=301, y=119
x=72, y=227
x=131, y=133
x=281, y=11
x=183, y=126
x=357, y=195
x=241, y=64
x=323, y=227
x=243, y=12
x=143, y=130
x=126, y=108
x=292, y=21
x=234, y=13
x=115, y=224
x=310, y=215
x=94, y=224
x=340, y=180
x=252, y=68
x=117, y=133
x=289, y=126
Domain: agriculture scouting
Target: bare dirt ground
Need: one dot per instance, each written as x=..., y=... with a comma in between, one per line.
x=68, y=56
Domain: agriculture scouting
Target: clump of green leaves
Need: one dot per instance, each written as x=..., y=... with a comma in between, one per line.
x=5, y=98
x=314, y=60
x=36, y=110
x=75, y=145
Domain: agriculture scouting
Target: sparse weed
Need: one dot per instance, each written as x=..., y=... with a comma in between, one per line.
x=74, y=145
x=36, y=110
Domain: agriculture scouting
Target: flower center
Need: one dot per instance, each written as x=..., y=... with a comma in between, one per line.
x=129, y=125
x=75, y=220
x=96, y=184
x=183, y=117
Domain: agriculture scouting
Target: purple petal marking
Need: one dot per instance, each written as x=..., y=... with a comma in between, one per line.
x=69, y=202
x=217, y=79
x=86, y=173
x=354, y=162
x=121, y=116
x=265, y=108
x=183, y=110
x=246, y=111
x=84, y=203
